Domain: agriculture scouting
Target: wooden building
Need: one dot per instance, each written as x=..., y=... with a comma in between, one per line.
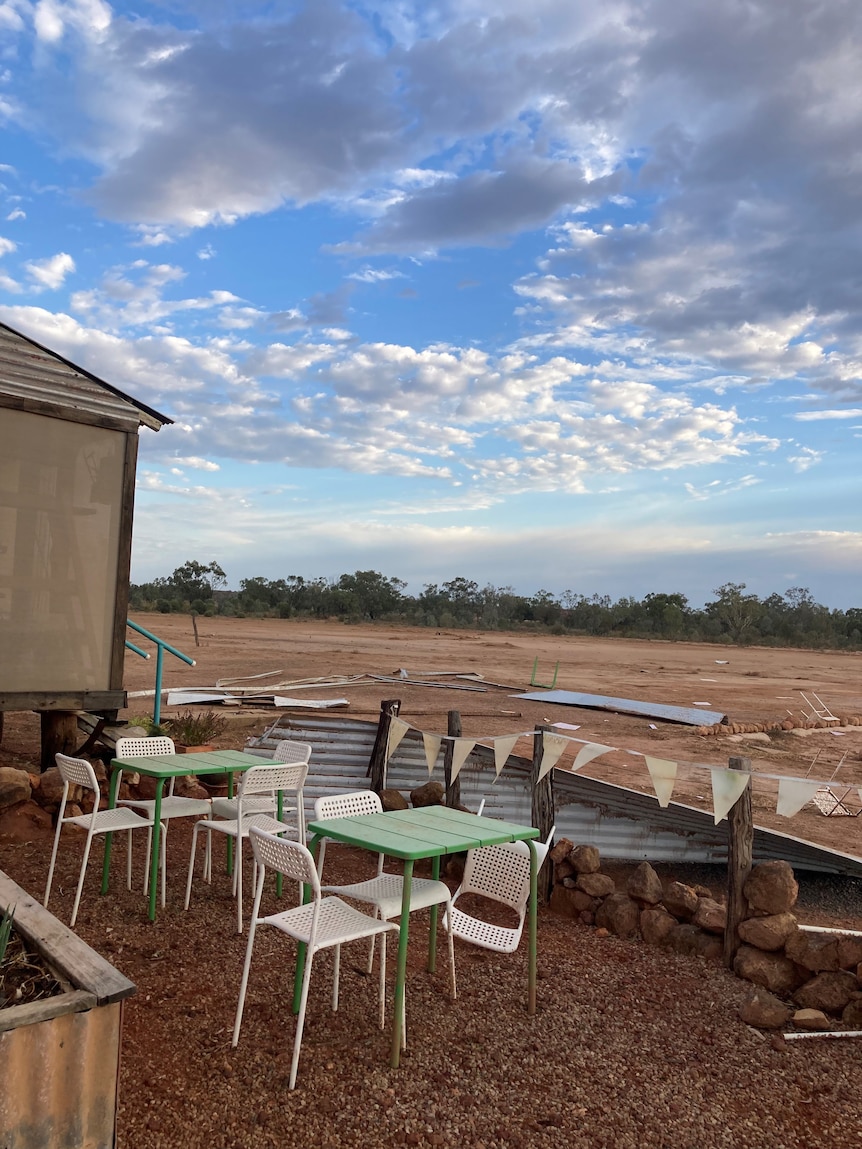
x=68, y=450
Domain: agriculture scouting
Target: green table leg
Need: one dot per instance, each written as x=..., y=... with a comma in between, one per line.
x=112, y=802
x=401, y=974
x=531, y=979
x=301, y=947
x=432, y=941
x=154, y=857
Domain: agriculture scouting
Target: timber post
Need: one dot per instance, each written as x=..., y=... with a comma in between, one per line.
x=377, y=763
x=542, y=794
x=59, y=735
x=740, y=846
x=453, y=789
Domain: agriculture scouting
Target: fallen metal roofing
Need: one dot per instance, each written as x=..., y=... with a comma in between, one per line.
x=687, y=715
x=623, y=824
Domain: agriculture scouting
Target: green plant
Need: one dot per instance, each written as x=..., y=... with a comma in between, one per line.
x=6, y=930
x=194, y=728
x=153, y=729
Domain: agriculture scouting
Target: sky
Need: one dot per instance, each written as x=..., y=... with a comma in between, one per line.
x=562, y=295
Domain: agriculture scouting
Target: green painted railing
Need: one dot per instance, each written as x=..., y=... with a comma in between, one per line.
x=161, y=647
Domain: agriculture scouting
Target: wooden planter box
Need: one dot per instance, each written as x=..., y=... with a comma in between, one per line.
x=60, y=1057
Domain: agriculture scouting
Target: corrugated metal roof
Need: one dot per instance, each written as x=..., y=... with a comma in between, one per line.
x=665, y=712
x=33, y=373
x=623, y=824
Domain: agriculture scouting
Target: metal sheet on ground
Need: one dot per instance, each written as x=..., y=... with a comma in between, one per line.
x=686, y=715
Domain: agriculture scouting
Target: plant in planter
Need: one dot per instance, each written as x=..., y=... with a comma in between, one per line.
x=195, y=729
x=61, y=1008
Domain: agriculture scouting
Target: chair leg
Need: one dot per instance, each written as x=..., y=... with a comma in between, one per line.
x=53, y=857
x=335, y=978
x=451, y=940
x=300, y=1018
x=382, y=986
x=81, y=877
x=238, y=880
x=147, y=863
x=163, y=845
x=129, y=860
x=240, y=1005
x=191, y=864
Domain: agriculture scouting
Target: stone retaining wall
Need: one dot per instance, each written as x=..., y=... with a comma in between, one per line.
x=813, y=979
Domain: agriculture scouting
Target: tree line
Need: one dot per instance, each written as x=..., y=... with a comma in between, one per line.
x=734, y=616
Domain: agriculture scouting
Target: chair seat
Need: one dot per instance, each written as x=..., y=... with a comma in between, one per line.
x=337, y=924
x=173, y=806
x=231, y=825
x=500, y=938
x=254, y=804
x=386, y=890
x=107, y=821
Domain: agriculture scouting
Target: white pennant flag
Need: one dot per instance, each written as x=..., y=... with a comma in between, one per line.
x=793, y=793
x=588, y=753
x=727, y=786
x=460, y=750
x=552, y=747
x=397, y=730
x=433, y=742
x=663, y=774
x=503, y=747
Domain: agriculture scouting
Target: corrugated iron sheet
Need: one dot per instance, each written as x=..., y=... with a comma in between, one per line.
x=623, y=824
x=32, y=372
x=687, y=715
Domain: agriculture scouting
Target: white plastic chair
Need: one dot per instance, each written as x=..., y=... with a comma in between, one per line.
x=384, y=891
x=286, y=751
x=266, y=779
x=501, y=874
x=79, y=772
x=173, y=806
x=322, y=923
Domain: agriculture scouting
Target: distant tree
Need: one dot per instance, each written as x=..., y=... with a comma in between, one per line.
x=734, y=611
x=194, y=580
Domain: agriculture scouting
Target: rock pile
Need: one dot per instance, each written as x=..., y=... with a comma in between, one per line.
x=819, y=972
x=724, y=729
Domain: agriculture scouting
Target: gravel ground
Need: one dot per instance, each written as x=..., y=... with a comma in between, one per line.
x=631, y=1046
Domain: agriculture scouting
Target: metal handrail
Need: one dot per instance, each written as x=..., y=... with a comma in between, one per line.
x=161, y=647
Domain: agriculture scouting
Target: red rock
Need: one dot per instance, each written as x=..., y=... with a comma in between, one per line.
x=775, y=972
x=769, y=933
x=830, y=991
x=585, y=859
x=771, y=887
x=764, y=1010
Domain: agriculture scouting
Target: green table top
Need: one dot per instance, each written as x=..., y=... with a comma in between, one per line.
x=428, y=832
x=174, y=765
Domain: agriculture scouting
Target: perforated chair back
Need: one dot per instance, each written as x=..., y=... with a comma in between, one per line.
x=145, y=747
x=291, y=859
x=268, y=779
x=289, y=751
x=76, y=772
x=347, y=805
x=502, y=873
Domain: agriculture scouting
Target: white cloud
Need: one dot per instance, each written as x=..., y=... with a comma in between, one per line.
x=16, y=213
x=49, y=274
x=7, y=246
x=805, y=460
x=815, y=416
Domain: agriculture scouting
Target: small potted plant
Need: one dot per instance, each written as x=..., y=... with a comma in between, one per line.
x=194, y=731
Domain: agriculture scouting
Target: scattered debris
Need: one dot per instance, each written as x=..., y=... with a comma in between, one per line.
x=666, y=713
x=819, y=709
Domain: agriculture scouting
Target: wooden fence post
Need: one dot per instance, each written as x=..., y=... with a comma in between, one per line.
x=59, y=734
x=453, y=789
x=377, y=762
x=740, y=831
x=542, y=795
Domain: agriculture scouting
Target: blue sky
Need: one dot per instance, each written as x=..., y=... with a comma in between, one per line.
x=559, y=296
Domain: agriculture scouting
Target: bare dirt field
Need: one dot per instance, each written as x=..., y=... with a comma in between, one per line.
x=631, y=1046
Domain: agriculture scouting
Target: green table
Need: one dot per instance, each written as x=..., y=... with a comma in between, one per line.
x=166, y=766
x=429, y=832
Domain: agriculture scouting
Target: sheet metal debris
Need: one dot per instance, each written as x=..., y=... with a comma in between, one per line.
x=685, y=715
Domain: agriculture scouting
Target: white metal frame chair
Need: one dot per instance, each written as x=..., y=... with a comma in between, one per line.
x=322, y=923
x=173, y=805
x=79, y=772
x=286, y=751
x=501, y=874
x=266, y=779
x=384, y=891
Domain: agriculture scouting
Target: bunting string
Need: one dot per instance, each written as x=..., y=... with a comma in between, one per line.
x=727, y=785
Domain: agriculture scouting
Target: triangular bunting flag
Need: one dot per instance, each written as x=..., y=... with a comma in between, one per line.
x=433, y=742
x=460, y=750
x=552, y=747
x=727, y=786
x=397, y=730
x=663, y=774
x=503, y=747
x=588, y=753
x=793, y=793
